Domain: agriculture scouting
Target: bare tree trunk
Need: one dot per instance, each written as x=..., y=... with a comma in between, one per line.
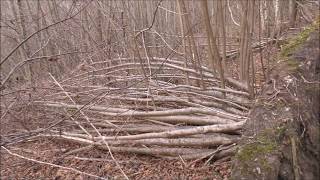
x=245, y=42
x=222, y=25
x=292, y=12
x=213, y=49
x=20, y=52
x=100, y=26
x=261, y=22
x=192, y=44
x=26, y=46
x=182, y=20
x=277, y=19
x=41, y=34
x=262, y=15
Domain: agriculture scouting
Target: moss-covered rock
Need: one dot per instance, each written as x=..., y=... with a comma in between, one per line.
x=292, y=45
x=291, y=115
x=258, y=153
x=297, y=41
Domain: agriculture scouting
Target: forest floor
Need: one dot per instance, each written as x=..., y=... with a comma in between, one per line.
x=99, y=163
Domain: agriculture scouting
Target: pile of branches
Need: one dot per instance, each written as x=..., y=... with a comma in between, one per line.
x=156, y=107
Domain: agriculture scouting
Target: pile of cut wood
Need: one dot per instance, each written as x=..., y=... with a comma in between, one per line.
x=156, y=107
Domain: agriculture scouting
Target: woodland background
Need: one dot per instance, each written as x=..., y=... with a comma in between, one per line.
x=171, y=79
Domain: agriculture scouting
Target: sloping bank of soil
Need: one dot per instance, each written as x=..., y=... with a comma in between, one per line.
x=281, y=139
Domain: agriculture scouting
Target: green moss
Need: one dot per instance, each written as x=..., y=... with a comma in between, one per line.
x=251, y=151
x=294, y=43
x=264, y=144
x=280, y=131
x=257, y=151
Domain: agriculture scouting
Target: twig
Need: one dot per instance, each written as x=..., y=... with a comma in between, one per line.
x=88, y=120
x=153, y=20
x=220, y=148
x=310, y=82
x=81, y=127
